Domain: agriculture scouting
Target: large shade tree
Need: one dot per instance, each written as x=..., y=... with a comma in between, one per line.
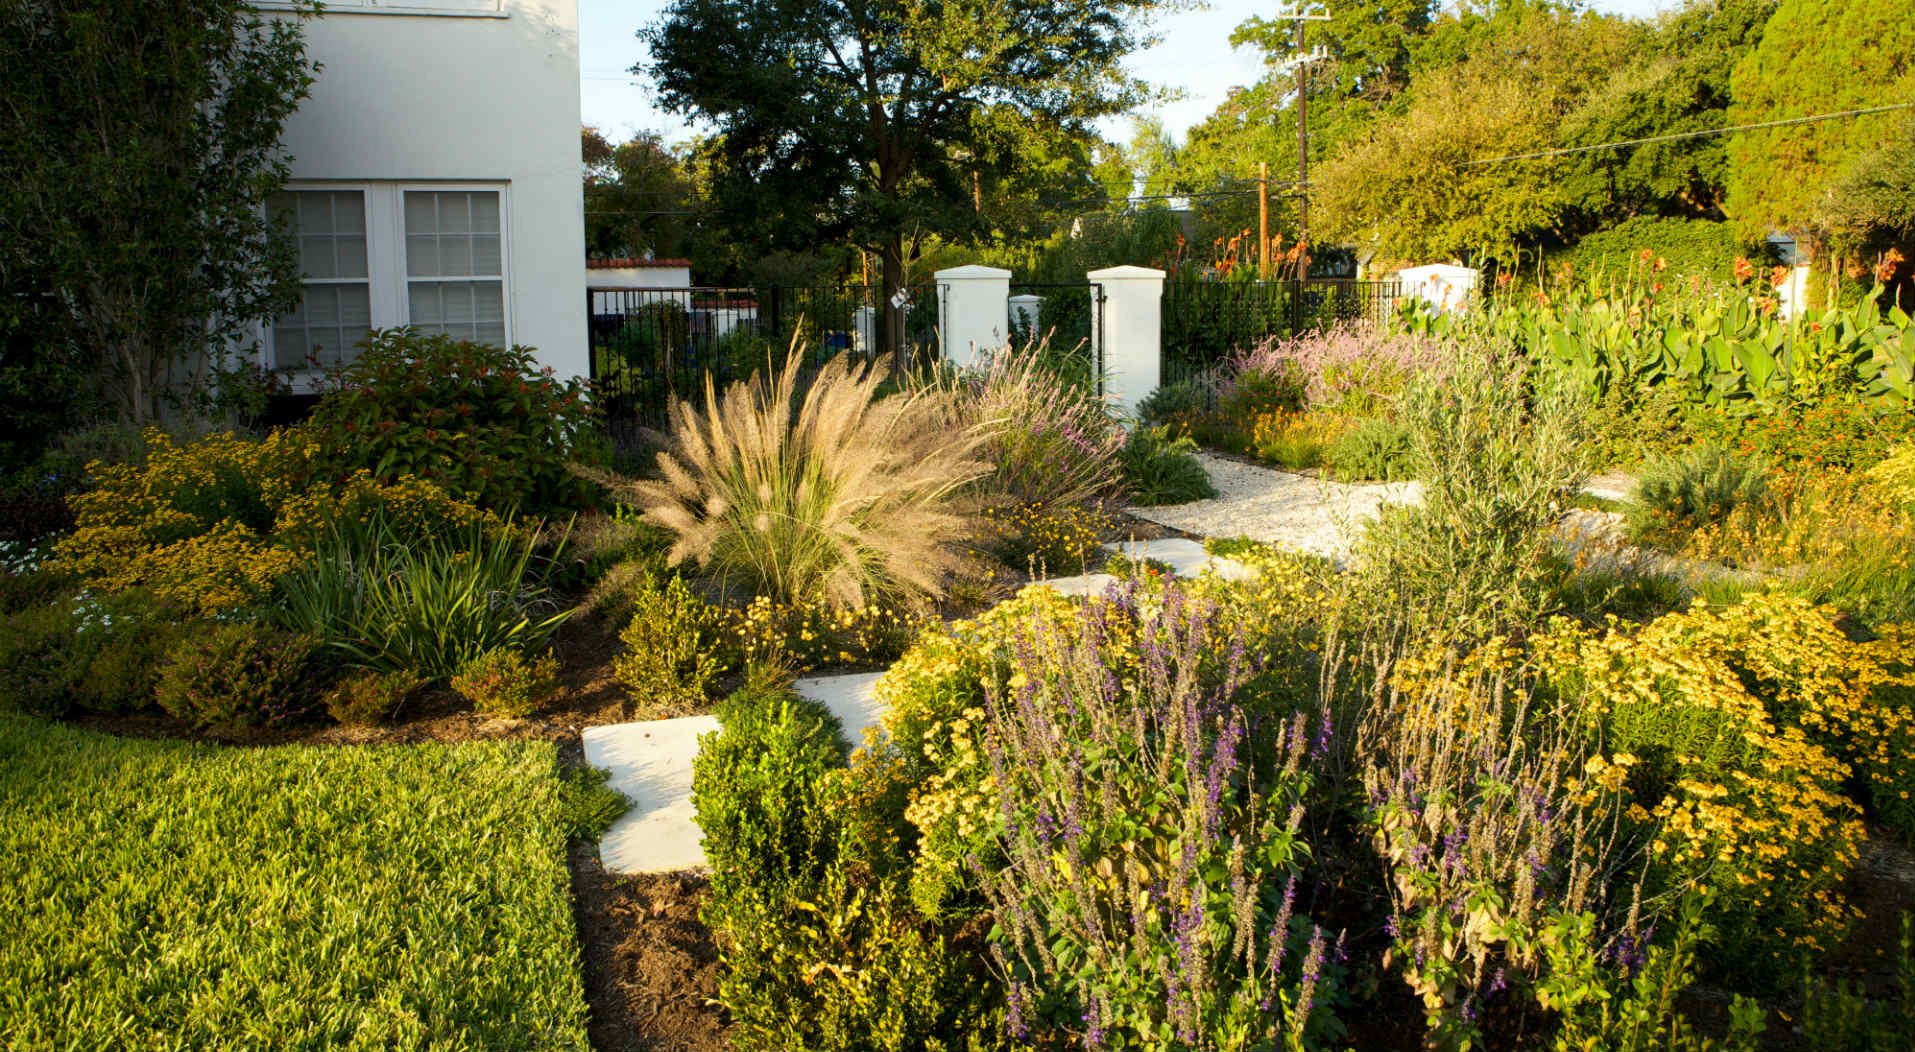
x=868, y=120
x=139, y=141
x=1817, y=57
x=638, y=197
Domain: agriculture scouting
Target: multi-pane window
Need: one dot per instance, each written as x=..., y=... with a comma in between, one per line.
x=455, y=269
x=335, y=294
x=383, y=254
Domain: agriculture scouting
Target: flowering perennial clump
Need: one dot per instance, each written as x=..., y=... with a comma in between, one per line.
x=1147, y=815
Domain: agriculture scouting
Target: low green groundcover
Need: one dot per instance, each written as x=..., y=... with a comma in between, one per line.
x=165, y=895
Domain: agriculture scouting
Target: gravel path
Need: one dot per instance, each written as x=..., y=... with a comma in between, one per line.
x=1280, y=507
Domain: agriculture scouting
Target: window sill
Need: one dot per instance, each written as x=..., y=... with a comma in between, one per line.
x=417, y=12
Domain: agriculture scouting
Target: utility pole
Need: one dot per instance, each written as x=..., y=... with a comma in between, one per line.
x=1263, y=220
x=1300, y=62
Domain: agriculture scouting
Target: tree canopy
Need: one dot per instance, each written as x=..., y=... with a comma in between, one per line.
x=1814, y=57
x=138, y=145
x=638, y=197
x=869, y=120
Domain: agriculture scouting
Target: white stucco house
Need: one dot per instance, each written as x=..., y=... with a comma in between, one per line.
x=607, y=274
x=436, y=180
x=1445, y=286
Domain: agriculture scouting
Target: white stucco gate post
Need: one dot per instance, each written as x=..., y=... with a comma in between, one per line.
x=1128, y=338
x=973, y=318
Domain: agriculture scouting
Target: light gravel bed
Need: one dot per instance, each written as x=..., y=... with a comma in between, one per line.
x=1281, y=507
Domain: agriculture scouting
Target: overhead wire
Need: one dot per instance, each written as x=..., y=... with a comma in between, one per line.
x=1678, y=136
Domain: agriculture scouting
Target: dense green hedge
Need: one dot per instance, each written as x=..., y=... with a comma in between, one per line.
x=1691, y=246
x=177, y=895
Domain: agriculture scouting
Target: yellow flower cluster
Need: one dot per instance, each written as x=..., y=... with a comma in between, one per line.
x=190, y=523
x=803, y=635
x=1757, y=714
x=1894, y=478
x=411, y=506
x=1817, y=518
x=1275, y=432
x=1051, y=540
x=211, y=524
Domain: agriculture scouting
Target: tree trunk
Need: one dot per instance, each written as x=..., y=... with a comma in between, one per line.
x=891, y=255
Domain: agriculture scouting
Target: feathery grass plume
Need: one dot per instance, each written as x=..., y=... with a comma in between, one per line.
x=1051, y=443
x=832, y=491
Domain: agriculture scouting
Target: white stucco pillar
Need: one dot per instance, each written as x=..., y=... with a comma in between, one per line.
x=972, y=319
x=864, y=330
x=1130, y=339
x=1025, y=310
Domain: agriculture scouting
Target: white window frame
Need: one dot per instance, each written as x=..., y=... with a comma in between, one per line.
x=386, y=255
x=438, y=8
x=504, y=277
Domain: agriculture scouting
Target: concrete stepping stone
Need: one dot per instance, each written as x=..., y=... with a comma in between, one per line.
x=1186, y=558
x=852, y=698
x=1080, y=584
x=651, y=762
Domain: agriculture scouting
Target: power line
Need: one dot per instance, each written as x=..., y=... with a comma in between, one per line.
x=1567, y=150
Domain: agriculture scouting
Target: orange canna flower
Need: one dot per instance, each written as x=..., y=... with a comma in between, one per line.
x=1744, y=270
x=1661, y=263
x=1885, y=270
x=1778, y=277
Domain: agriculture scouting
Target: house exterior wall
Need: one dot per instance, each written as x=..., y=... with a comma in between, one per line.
x=465, y=97
x=633, y=274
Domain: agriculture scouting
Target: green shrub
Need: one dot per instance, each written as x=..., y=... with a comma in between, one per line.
x=1375, y=448
x=1168, y=403
x=367, y=698
x=85, y=651
x=468, y=417
x=1695, y=488
x=1842, y=1017
x=232, y=675
x=819, y=945
x=1689, y=246
x=591, y=805
x=836, y=494
x=506, y=683
x=380, y=601
x=670, y=646
x=298, y=897
x=1497, y=472
x=1160, y=469
x=26, y=579
x=1275, y=386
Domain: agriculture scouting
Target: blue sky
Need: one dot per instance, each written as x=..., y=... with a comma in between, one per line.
x=1195, y=58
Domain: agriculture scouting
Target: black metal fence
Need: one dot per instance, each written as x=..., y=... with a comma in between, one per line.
x=1068, y=320
x=1204, y=321
x=651, y=345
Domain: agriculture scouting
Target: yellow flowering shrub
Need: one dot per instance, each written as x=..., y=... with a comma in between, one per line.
x=191, y=523
x=1894, y=478
x=1048, y=540
x=809, y=634
x=935, y=695
x=412, y=506
x=211, y=524
x=1732, y=731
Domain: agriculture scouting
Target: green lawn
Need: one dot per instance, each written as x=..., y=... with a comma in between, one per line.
x=162, y=895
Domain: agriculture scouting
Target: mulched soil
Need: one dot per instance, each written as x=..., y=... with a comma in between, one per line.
x=651, y=968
